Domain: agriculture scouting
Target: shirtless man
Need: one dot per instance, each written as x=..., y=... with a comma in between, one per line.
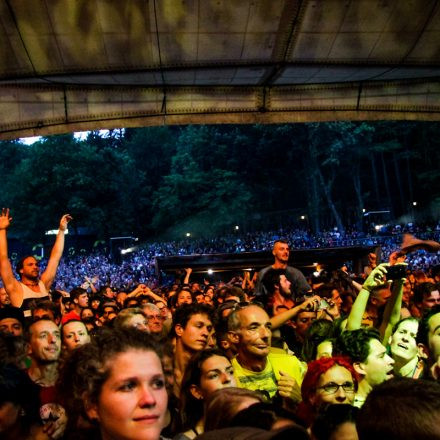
x=31, y=286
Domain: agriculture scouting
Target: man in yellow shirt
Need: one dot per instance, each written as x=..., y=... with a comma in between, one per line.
x=255, y=367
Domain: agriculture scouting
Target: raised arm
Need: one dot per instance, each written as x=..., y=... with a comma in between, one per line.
x=188, y=271
x=375, y=278
x=391, y=315
x=57, y=251
x=12, y=286
x=311, y=304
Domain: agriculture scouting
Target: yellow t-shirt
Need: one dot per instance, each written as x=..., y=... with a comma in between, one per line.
x=267, y=379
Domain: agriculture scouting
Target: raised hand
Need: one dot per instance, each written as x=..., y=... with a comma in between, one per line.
x=376, y=277
x=311, y=304
x=288, y=387
x=5, y=219
x=65, y=219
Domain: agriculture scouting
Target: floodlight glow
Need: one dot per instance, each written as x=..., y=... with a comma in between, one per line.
x=127, y=251
x=55, y=232
x=210, y=271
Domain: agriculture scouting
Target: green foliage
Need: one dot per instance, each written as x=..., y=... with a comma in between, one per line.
x=198, y=191
x=158, y=180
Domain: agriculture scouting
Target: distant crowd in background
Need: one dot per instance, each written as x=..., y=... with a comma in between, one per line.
x=91, y=349
x=139, y=265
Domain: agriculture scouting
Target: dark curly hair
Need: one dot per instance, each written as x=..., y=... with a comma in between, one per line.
x=85, y=371
x=356, y=343
x=183, y=313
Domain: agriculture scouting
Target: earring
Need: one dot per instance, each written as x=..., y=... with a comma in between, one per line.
x=22, y=412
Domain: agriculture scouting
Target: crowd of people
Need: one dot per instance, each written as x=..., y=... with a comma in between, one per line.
x=94, y=350
x=139, y=266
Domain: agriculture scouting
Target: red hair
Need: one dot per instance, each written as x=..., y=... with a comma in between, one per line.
x=316, y=368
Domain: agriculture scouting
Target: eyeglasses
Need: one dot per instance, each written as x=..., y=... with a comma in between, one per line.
x=154, y=317
x=332, y=388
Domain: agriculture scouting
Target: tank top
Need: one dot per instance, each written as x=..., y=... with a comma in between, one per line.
x=29, y=297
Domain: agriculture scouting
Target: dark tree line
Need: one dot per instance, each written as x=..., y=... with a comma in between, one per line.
x=163, y=181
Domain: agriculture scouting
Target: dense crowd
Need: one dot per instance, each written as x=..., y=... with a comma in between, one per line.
x=139, y=265
x=94, y=349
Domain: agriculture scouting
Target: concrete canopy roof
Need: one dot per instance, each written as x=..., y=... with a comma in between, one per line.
x=71, y=65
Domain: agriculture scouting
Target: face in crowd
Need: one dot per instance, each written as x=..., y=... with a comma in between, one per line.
x=45, y=341
x=82, y=300
x=154, y=320
x=431, y=300
x=434, y=337
x=4, y=298
x=216, y=373
x=281, y=252
x=253, y=338
x=194, y=336
x=183, y=297
x=11, y=326
x=403, y=341
x=132, y=402
x=30, y=269
x=302, y=322
x=74, y=334
x=336, y=385
x=285, y=286
x=378, y=367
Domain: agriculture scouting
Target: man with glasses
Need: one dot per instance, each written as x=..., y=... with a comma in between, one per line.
x=255, y=366
x=154, y=318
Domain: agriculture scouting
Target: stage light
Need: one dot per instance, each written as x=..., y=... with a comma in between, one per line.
x=128, y=250
x=55, y=232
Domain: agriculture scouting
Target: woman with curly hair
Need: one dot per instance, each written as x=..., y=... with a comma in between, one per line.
x=114, y=387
